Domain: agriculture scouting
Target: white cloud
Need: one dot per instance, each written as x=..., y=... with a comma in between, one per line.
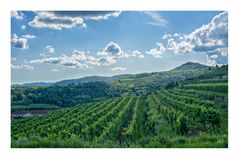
x=64, y=60
x=223, y=51
x=118, y=68
x=157, y=20
x=93, y=15
x=81, y=59
x=54, y=70
x=111, y=54
x=137, y=53
x=106, y=61
x=112, y=50
x=21, y=42
x=85, y=57
x=179, y=47
x=211, y=39
x=78, y=59
x=51, y=21
x=79, y=55
x=166, y=36
x=212, y=36
x=27, y=36
x=157, y=52
x=217, y=57
x=17, y=15
x=212, y=60
x=27, y=67
x=23, y=27
x=49, y=50
x=68, y=19
x=50, y=60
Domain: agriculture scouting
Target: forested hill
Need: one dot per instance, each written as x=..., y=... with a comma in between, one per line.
x=190, y=66
x=80, y=92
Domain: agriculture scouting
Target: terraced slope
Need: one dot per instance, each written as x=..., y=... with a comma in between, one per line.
x=190, y=110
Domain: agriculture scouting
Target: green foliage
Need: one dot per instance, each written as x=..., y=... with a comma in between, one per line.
x=63, y=96
x=33, y=107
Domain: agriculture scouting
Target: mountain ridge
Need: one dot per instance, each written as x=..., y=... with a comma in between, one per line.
x=184, y=67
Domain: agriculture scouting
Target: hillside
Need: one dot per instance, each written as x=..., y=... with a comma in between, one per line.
x=142, y=84
x=190, y=66
x=37, y=84
x=188, y=113
x=76, y=91
x=85, y=80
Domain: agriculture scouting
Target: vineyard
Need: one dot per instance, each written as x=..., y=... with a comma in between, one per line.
x=192, y=113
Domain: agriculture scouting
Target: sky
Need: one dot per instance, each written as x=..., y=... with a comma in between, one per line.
x=54, y=45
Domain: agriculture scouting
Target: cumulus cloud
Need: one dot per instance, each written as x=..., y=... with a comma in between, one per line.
x=17, y=15
x=109, y=55
x=211, y=39
x=157, y=19
x=93, y=15
x=137, y=53
x=23, y=27
x=50, y=60
x=79, y=55
x=81, y=59
x=78, y=59
x=26, y=67
x=211, y=36
x=212, y=60
x=106, y=61
x=217, y=57
x=157, y=52
x=49, y=50
x=51, y=21
x=179, y=47
x=21, y=42
x=118, y=68
x=64, y=60
x=112, y=50
x=28, y=36
x=68, y=19
x=166, y=36
x=54, y=70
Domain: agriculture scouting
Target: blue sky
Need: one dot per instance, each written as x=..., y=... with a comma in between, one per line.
x=56, y=45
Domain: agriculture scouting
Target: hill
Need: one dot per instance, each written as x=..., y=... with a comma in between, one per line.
x=137, y=78
x=37, y=84
x=191, y=66
x=146, y=82
x=76, y=91
x=86, y=80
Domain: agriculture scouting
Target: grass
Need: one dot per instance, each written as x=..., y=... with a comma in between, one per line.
x=162, y=141
x=201, y=141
